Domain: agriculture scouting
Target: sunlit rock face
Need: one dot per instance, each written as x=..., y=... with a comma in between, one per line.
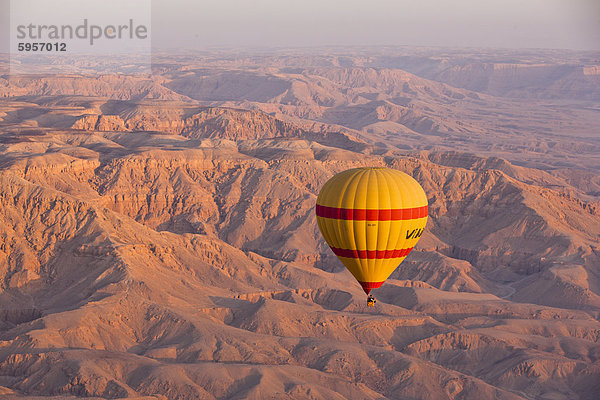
x=159, y=238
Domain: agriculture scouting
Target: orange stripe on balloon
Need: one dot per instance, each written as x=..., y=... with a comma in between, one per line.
x=397, y=214
x=371, y=254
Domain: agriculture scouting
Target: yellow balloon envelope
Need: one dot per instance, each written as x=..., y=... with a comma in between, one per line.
x=371, y=218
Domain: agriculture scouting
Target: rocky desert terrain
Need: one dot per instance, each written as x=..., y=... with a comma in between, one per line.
x=159, y=238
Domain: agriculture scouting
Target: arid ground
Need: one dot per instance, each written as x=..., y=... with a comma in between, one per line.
x=159, y=239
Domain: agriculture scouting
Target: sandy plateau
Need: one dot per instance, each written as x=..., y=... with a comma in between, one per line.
x=159, y=239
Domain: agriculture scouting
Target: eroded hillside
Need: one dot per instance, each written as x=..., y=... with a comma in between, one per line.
x=168, y=248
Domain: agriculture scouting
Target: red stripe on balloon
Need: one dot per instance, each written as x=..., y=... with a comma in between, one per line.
x=371, y=254
x=367, y=286
x=397, y=214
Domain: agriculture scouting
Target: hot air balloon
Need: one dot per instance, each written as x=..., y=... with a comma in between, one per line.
x=371, y=218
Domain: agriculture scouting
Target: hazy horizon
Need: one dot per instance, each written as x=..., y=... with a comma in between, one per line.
x=551, y=24
x=510, y=24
